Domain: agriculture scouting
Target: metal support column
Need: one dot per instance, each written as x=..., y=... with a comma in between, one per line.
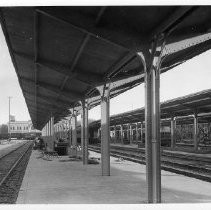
x=172, y=132
x=152, y=120
x=98, y=133
x=43, y=130
x=148, y=136
x=141, y=133
x=128, y=132
x=105, y=130
x=61, y=131
x=70, y=133
x=47, y=128
x=58, y=130
x=86, y=133
x=137, y=134
x=52, y=133
x=49, y=134
x=82, y=134
x=121, y=134
x=131, y=133
x=55, y=130
x=74, y=134
x=115, y=136
x=45, y=134
x=195, y=131
x=50, y=130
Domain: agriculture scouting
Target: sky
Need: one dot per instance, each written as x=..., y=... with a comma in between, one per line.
x=9, y=86
x=192, y=76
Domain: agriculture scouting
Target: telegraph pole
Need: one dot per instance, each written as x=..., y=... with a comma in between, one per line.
x=9, y=120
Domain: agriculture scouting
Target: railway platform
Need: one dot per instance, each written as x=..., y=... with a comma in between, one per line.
x=62, y=181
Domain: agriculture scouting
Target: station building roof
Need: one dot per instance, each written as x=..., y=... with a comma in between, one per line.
x=61, y=54
x=182, y=108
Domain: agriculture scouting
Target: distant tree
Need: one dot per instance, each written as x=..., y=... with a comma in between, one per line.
x=3, y=129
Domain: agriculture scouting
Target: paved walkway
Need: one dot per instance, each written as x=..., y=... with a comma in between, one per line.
x=62, y=181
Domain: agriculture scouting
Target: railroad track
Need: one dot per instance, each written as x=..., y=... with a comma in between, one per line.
x=12, y=169
x=184, y=164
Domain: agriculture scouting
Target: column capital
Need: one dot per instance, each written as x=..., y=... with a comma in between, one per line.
x=173, y=117
x=195, y=114
x=104, y=91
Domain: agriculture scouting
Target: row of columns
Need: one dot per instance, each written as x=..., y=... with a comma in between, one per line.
x=151, y=61
x=195, y=131
x=129, y=132
x=48, y=134
x=152, y=140
x=84, y=131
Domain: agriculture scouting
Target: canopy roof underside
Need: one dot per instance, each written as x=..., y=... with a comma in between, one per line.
x=61, y=54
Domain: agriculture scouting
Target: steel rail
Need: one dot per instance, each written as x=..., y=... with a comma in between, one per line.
x=16, y=162
x=168, y=162
x=12, y=151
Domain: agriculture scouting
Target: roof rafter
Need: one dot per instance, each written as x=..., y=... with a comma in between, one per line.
x=99, y=15
x=122, y=61
x=75, y=60
x=70, y=95
x=85, y=77
x=80, y=29
x=61, y=103
x=34, y=111
x=171, y=22
x=44, y=104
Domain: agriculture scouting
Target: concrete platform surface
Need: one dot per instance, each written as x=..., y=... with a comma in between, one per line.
x=62, y=181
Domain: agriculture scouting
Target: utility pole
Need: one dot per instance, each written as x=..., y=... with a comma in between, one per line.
x=9, y=120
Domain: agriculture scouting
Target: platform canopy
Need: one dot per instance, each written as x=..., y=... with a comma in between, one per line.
x=182, y=108
x=61, y=54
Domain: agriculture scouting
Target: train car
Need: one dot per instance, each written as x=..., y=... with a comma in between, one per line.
x=183, y=135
